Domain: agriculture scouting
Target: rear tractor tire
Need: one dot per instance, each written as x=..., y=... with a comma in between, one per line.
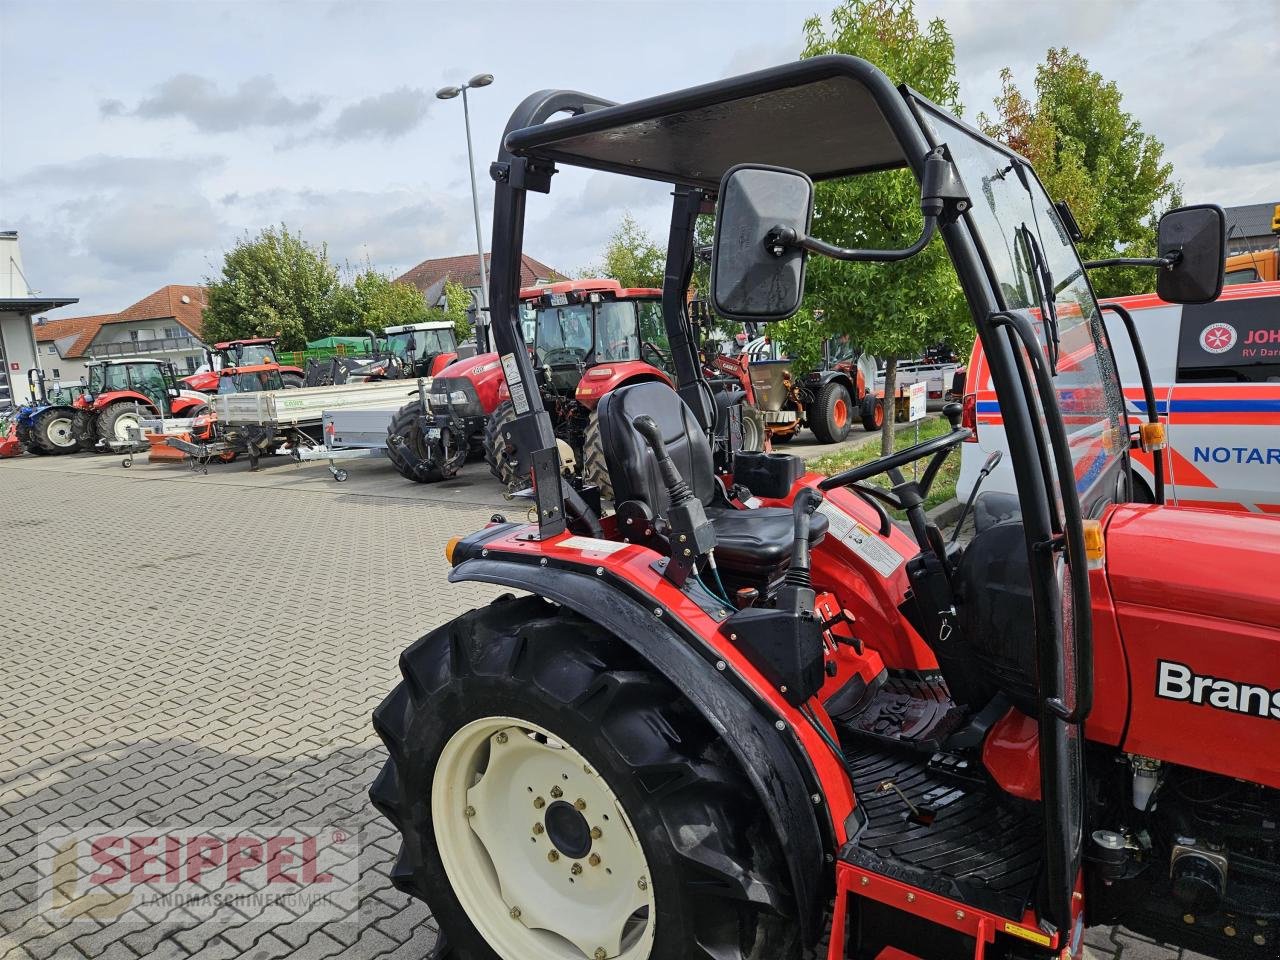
x=495, y=443
x=559, y=800
x=754, y=430
x=595, y=469
x=114, y=421
x=85, y=430
x=411, y=452
x=52, y=431
x=832, y=416
x=871, y=411
x=293, y=381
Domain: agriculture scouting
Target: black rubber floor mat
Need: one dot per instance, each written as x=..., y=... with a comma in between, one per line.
x=982, y=847
x=916, y=713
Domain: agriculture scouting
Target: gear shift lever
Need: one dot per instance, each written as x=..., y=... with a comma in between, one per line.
x=691, y=534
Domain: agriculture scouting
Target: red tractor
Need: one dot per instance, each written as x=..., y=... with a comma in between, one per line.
x=586, y=337
x=758, y=718
x=123, y=391
x=240, y=353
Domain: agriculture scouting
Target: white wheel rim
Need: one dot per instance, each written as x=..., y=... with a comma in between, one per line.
x=122, y=425
x=506, y=797
x=59, y=432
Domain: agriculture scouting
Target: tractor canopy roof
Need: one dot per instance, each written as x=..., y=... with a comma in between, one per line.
x=252, y=342
x=824, y=116
x=410, y=327
x=575, y=291
x=121, y=361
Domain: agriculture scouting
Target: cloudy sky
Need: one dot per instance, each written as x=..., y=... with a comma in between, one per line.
x=139, y=139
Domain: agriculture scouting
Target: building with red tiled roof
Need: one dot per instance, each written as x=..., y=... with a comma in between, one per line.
x=165, y=324
x=430, y=275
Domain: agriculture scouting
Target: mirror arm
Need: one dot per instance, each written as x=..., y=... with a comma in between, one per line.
x=779, y=238
x=1168, y=262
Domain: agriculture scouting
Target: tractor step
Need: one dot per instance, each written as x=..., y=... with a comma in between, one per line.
x=933, y=828
x=915, y=712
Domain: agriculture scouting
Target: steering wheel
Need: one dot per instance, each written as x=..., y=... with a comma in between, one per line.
x=906, y=495
x=560, y=356
x=663, y=356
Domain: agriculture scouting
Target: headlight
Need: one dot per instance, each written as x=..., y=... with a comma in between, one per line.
x=458, y=396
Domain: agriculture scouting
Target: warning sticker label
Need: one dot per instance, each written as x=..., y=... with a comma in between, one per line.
x=511, y=370
x=591, y=546
x=861, y=540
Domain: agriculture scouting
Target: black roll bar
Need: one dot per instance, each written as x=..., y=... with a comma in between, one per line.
x=1072, y=536
x=1148, y=391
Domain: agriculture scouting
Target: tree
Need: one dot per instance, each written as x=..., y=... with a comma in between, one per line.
x=892, y=310
x=273, y=285
x=1092, y=153
x=373, y=301
x=457, y=303
x=631, y=257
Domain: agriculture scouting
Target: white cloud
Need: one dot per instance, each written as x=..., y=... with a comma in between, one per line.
x=256, y=102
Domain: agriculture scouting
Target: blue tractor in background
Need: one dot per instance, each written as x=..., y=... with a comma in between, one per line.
x=43, y=423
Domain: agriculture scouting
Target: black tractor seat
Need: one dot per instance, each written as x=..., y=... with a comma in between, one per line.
x=754, y=545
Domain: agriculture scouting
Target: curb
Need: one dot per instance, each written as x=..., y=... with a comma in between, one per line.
x=945, y=513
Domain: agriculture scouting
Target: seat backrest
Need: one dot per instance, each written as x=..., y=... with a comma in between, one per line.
x=633, y=469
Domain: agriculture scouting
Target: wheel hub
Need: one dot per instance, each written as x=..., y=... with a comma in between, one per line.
x=537, y=847
x=568, y=830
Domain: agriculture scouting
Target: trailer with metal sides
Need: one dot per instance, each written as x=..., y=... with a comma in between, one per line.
x=259, y=424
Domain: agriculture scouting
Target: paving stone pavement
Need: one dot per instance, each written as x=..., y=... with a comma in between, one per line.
x=205, y=651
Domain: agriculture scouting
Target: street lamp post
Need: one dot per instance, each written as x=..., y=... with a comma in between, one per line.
x=448, y=93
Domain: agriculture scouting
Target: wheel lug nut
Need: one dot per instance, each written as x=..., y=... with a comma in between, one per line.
x=539, y=803
x=557, y=793
x=601, y=953
x=596, y=833
x=537, y=828
x=469, y=812
x=579, y=804
x=576, y=869
x=642, y=883
x=594, y=859
x=553, y=855
x=515, y=913
x=501, y=737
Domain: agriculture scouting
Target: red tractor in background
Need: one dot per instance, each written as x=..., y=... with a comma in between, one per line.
x=241, y=353
x=121, y=393
x=586, y=338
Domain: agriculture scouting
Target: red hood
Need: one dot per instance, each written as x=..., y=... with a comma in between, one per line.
x=1208, y=562
x=464, y=367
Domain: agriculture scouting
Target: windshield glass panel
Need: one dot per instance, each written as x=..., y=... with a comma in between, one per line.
x=563, y=334
x=618, y=337
x=256, y=353
x=420, y=343
x=1038, y=273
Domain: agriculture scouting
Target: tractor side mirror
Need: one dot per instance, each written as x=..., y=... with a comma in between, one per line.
x=1197, y=235
x=754, y=277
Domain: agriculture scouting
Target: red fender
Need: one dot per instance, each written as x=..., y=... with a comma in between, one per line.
x=604, y=377
x=104, y=400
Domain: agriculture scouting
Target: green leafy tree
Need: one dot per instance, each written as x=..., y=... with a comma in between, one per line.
x=1092, y=153
x=631, y=257
x=273, y=285
x=895, y=310
x=373, y=301
x=457, y=304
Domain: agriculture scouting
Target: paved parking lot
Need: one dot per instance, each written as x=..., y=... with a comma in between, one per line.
x=195, y=652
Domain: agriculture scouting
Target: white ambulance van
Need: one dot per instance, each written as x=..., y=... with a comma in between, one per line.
x=1216, y=372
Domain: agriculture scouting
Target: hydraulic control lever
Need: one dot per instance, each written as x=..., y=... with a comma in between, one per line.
x=802, y=508
x=691, y=534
